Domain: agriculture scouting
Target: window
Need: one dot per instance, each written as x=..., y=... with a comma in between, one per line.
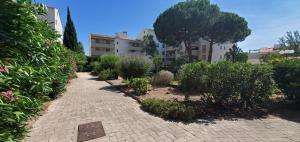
x=203, y=57
x=117, y=42
x=163, y=53
x=203, y=48
x=117, y=50
x=97, y=48
x=224, y=47
x=107, y=50
x=220, y=47
x=220, y=56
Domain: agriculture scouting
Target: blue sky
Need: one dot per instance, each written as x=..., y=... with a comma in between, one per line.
x=268, y=19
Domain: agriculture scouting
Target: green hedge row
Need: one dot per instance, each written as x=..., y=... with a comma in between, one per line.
x=287, y=76
x=228, y=83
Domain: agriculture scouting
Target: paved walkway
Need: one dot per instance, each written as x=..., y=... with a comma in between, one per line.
x=87, y=100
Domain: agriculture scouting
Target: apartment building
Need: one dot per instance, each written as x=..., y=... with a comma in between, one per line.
x=200, y=49
x=119, y=45
x=53, y=18
x=123, y=46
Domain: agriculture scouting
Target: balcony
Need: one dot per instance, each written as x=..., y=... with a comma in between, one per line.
x=135, y=48
x=104, y=45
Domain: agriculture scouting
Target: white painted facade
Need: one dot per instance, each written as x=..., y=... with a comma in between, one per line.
x=122, y=46
x=119, y=45
x=53, y=18
x=171, y=53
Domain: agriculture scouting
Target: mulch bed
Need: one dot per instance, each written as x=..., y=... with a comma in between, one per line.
x=204, y=111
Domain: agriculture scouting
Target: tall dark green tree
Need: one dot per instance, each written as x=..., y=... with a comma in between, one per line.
x=150, y=45
x=225, y=27
x=185, y=23
x=236, y=54
x=70, y=35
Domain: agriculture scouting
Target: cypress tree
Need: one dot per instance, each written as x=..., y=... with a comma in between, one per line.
x=70, y=36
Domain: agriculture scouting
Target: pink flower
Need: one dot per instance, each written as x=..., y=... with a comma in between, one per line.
x=3, y=68
x=8, y=96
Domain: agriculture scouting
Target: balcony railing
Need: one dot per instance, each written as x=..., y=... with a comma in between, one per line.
x=110, y=45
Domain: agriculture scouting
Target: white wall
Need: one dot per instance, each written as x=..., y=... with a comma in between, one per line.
x=53, y=19
x=151, y=32
x=121, y=47
x=219, y=51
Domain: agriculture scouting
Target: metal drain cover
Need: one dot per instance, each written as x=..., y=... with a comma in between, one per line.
x=90, y=131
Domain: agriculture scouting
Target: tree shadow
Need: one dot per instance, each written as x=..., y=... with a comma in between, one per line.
x=93, y=78
x=110, y=88
x=286, y=110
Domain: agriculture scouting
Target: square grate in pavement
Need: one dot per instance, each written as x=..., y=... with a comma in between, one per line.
x=90, y=131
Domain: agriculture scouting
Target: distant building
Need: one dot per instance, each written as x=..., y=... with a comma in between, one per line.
x=121, y=45
x=200, y=49
x=53, y=18
x=254, y=55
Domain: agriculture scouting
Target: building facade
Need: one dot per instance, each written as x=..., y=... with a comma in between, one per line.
x=121, y=45
x=53, y=19
x=200, y=49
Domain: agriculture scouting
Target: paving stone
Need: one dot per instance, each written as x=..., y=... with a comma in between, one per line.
x=87, y=100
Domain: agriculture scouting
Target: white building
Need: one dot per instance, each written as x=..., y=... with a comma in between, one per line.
x=123, y=46
x=200, y=52
x=53, y=18
x=119, y=45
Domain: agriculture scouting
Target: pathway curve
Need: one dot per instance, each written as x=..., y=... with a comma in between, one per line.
x=87, y=100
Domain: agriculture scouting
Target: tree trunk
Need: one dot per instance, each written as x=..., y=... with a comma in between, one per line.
x=189, y=51
x=190, y=54
x=211, y=43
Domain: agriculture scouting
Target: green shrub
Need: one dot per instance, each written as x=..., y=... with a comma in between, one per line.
x=162, y=78
x=169, y=109
x=194, y=77
x=139, y=85
x=108, y=74
x=287, y=76
x=105, y=62
x=132, y=67
x=268, y=58
x=240, y=83
x=228, y=83
x=177, y=64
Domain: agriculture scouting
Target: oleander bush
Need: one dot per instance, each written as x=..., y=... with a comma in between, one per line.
x=139, y=85
x=34, y=65
x=287, y=77
x=162, y=78
x=169, y=109
x=133, y=67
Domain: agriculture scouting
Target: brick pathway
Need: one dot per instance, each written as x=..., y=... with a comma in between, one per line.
x=87, y=100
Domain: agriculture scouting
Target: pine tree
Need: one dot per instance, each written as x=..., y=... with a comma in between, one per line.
x=70, y=36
